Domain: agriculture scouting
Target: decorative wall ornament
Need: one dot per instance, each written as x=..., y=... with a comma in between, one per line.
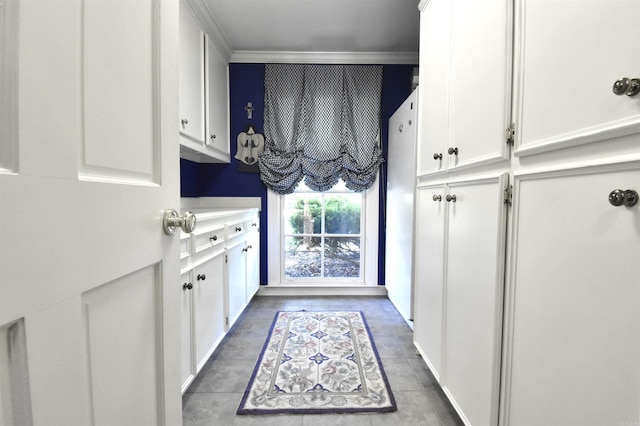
x=250, y=146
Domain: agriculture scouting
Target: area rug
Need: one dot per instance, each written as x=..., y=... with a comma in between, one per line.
x=318, y=362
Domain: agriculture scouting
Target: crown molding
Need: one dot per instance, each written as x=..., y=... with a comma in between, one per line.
x=378, y=58
x=211, y=26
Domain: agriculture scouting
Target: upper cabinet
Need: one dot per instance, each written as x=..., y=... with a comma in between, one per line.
x=565, y=98
x=203, y=97
x=465, y=83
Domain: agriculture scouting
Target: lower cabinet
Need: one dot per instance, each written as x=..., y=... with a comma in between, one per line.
x=217, y=259
x=573, y=340
x=460, y=254
x=253, y=264
x=236, y=281
x=202, y=307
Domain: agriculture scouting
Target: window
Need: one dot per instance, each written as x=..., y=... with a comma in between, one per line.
x=322, y=234
x=339, y=245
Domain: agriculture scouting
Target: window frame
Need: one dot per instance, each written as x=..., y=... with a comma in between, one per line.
x=368, y=245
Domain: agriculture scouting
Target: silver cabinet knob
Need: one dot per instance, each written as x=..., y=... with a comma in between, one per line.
x=213, y=238
x=437, y=156
x=238, y=229
x=453, y=150
x=618, y=197
x=451, y=198
x=626, y=86
x=172, y=221
x=213, y=136
x=184, y=122
x=187, y=286
x=437, y=197
x=201, y=277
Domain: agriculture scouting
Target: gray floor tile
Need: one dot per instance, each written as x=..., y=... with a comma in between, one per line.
x=215, y=394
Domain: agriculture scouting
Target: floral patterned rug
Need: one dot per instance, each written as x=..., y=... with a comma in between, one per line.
x=318, y=362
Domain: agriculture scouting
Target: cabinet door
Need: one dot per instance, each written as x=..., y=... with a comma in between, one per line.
x=481, y=81
x=187, y=363
x=429, y=275
x=217, y=100
x=474, y=297
x=574, y=295
x=253, y=265
x=208, y=301
x=435, y=50
x=571, y=102
x=236, y=281
x=191, y=77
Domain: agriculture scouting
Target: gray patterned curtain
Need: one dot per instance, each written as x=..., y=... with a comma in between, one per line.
x=321, y=123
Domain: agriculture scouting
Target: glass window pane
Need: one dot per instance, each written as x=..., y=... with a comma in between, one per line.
x=342, y=213
x=303, y=257
x=302, y=214
x=342, y=257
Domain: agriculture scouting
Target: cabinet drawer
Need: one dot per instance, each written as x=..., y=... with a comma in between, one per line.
x=235, y=229
x=208, y=238
x=185, y=249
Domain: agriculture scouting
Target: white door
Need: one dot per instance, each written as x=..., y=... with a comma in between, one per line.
x=574, y=300
x=89, y=332
x=401, y=182
x=428, y=306
x=473, y=296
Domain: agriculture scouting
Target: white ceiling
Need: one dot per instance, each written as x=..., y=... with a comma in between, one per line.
x=360, y=26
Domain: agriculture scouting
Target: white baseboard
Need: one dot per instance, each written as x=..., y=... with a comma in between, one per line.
x=306, y=290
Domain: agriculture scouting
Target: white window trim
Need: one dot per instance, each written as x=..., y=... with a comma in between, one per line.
x=369, y=238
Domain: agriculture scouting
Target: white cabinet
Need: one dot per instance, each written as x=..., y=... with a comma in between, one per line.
x=208, y=306
x=460, y=255
x=217, y=101
x=243, y=264
x=550, y=114
x=435, y=51
x=428, y=315
x=574, y=330
x=570, y=328
x=253, y=260
x=401, y=185
x=213, y=282
x=465, y=84
x=191, y=78
x=203, y=93
x=236, y=280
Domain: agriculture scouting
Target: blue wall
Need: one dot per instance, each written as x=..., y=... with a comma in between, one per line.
x=246, y=84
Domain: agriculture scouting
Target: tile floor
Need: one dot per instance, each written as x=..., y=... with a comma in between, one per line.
x=214, y=396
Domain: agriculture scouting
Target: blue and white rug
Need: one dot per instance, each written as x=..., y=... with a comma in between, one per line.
x=318, y=362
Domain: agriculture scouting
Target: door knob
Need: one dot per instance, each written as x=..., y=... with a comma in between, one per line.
x=626, y=86
x=172, y=220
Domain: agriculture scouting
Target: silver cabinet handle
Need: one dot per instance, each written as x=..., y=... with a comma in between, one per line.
x=451, y=198
x=201, y=277
x=453, y=150
x=213, y=238
x=187, y=286
x=437, y=198
x=437, y=156
x=618, y=197
x=627, y=86
x=172, y=221
x=184, y=122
